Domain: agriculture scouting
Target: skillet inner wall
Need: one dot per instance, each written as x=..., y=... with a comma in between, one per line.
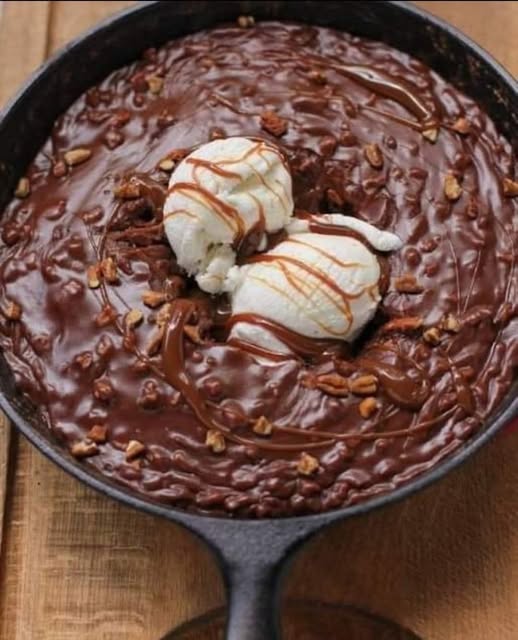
x=26, y=127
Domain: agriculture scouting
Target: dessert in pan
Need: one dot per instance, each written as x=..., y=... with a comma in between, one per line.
x=266, y=270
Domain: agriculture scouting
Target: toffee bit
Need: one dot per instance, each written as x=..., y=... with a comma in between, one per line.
x=98, y=433
x=364, y=385
x=510, y=188
x=307, y=465
x=155, y=84
x=23, y=188
x=154, y=299
x=77, y=156
x=166, y=165
x=373, y=155
x=128, y=190
x=134, y=448
x=452, y=188
x=84, y=449
x=93, y=276
x=263, y=427
x=368, y=407
x=431, y=135
x=215, y=440
x=133, y=318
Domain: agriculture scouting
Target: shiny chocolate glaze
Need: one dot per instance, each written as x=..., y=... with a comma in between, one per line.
x=436, y=361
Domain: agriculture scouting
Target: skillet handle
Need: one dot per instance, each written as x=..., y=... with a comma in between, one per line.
x=253, y=591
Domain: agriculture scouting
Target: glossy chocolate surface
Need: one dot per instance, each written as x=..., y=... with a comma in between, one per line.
x=327, y=97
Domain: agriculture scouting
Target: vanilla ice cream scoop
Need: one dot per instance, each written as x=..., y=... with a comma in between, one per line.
x=219, y=194
x=317, y=285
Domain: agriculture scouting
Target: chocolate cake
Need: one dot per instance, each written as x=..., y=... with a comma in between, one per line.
x=132, y=361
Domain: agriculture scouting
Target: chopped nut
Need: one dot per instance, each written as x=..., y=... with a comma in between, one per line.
x=84, y=449
x=193, y=333
x=462, y=126
x=92, y=276
x=129, y=190
x=368, y=407
x=84, y=360
x=134, y=448
x=373, y=155
x=105, y=317
x=103, y=390
x=450, y=323
x=77, y=156
x=333, y=384
x=155, y=83
x=406, y=324
x=431, y=134
x=23, y=188
x=317, y=76
x=245, y=22
x=133, y=318
x=13, y=311
x=215, y=440
x=307, y=465
x=452, y=188
x=155, y=342
x=263, y=427
x=364, y=385
x=166, y=165
x=98, y=433
x=164, y=314
x=154, y=299
x=407, y=284
x=109, y=270
x=510, y=188
x=432, y=335
x=273, y=123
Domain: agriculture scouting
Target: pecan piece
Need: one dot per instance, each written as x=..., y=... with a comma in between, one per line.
x=510, y=188
x=450, y=323
x=215, y=440
x=127, y=190
x=193, y=333
x=13, y=311
x=407, y=324
x=154, y=299
x=333, y=384
x=364, y=385
x=452, y=188
x=432, y=336
x=105, y=317
x=263, y=427
x=23, y=188
x=77, y=156
x=98, y=433
x=155, y=83
x=109, y=270
x=462, y=126
x=368, y=407
x=307, y=465
x=373, y=155
x=407, y=283
x=133, y=318
x=273, y=123
x=134, y=449
x=245, y=22
x=84, y=449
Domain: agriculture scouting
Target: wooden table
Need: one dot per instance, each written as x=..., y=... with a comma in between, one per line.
x=75, y=566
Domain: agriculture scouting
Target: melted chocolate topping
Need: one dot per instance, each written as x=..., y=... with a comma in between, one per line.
x=113, y=335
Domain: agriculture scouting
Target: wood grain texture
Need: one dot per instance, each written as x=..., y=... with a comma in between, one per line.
x=75, y=566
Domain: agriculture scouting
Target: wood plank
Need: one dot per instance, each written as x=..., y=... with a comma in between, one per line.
x=77, y=566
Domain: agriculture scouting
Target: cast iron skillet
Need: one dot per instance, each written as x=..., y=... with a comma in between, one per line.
x=252, y=554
